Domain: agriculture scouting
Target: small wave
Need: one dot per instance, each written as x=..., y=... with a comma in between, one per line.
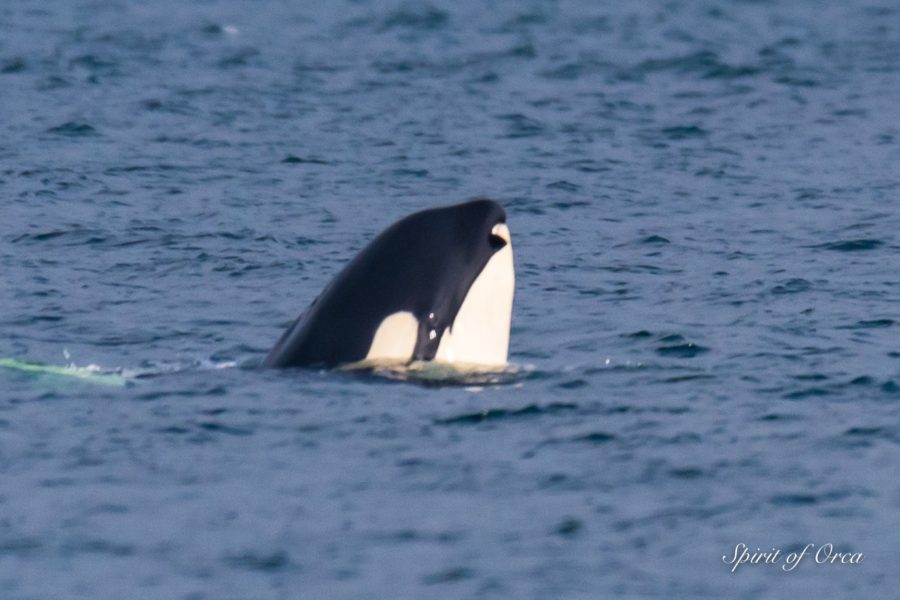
x=496, y=414
x=278, y=560
x=13, y=65
x=75, y=236
x=851, y=245
x=156, y=369
x=675, y=346
x=792, y=286
x=290, y=159
x=870, y=324
x=450, y=575
x=793, y=500
x=425, y=18
x=705, y=64
x=217, y=29
x=683, y=132
x=520, y=126
x=74, y=129
x=655, y=240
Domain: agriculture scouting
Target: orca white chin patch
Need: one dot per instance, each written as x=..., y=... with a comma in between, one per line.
x=479, y=334
x=395, y=338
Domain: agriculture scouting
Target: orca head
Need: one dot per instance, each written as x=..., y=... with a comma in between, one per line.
x=466, y=280
x=478, y=334
x=436, y=285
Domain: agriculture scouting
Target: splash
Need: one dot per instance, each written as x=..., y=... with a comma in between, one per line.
x=91, y=373
x=158, y=368
x=433, y=373
x=115, y=377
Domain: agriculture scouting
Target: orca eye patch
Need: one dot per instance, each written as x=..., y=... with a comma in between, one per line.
x=499, y=236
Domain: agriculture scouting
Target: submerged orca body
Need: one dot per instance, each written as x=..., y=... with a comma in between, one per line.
x=435, y=286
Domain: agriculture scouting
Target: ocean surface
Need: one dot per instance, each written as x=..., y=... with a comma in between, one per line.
x=703, y=203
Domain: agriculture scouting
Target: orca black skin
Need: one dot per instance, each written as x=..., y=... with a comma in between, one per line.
x=423, y=264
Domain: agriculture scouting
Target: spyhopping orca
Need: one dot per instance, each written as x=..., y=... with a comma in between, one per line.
x=435, y=286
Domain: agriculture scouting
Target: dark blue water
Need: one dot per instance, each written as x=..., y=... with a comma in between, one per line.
x=702, y=197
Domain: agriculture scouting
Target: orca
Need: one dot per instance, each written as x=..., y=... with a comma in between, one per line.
x=437, y=285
